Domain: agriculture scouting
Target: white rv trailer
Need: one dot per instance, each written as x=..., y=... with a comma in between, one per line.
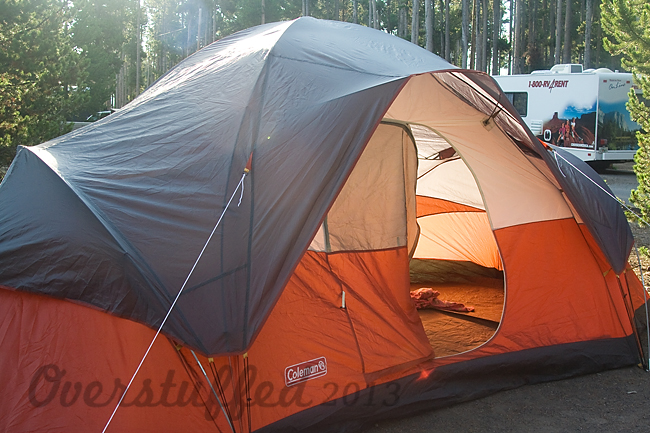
x=581, y=111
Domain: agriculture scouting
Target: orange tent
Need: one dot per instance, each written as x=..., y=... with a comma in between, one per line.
x=319, y=171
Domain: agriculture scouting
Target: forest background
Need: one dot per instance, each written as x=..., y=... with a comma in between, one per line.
x=61, y=60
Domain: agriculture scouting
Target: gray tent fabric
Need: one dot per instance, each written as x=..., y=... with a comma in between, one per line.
x=115, y=214
x=593, y=201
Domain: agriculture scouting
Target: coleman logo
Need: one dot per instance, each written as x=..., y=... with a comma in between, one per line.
x=305, y=371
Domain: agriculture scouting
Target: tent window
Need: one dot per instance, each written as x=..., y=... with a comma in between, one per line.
x=365, y=242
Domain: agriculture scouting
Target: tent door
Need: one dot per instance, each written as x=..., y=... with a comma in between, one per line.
x=369, y=233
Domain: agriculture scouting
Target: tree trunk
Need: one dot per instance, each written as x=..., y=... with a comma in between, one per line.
x=214, y=25
x=551, y=28
x=496, y=33
x=415, y=22
x=472, y=61
x=589, y=19
x=189, y=30
x=477, y=34
x=401, y=20
x=543, y=28
x=465, y=33
x=206, y=31
x=599, y=41
x=389, y=13
x=137, y=53
x=198, y=32
x=484, y=48
x=511, y=51
x=531, y=31
x=163, y=55
x=567, y=33
x=441, y=8
x=558, y=32
x=447, y=31
x=429, y=15
x=516, y=57
x=375, y=14
x=263, y=12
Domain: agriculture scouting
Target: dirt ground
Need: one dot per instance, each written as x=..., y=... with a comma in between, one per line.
x=611, y=401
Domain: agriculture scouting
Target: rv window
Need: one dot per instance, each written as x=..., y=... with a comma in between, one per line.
x=520, y=101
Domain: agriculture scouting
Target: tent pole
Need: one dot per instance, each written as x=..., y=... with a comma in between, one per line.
x=629, y=308
x=217, y=380
x=189, y=370
x=213, y=391
x=645, y=297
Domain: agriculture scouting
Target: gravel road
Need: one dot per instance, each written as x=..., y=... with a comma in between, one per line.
x=621, y=180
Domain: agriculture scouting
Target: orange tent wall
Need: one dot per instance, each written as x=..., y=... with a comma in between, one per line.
x=555, y=291
x=374, y=339
x=64, y=366
x=629, y=280
x=377, y=337
x=555, y=294
x=433, y=206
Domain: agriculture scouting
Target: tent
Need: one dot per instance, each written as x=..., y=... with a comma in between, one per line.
x=296, y=180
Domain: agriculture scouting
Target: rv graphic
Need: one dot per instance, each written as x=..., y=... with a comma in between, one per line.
x=582, y=111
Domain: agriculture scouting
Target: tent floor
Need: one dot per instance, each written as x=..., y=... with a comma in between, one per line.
x=450, y=332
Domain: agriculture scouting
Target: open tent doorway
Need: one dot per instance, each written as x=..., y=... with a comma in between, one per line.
x=411, y=212
x=456, y=267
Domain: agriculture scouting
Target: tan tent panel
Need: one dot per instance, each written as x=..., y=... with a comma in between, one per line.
x=451, y=181
x=514, y=191
x=464, y=236
x=370, y=211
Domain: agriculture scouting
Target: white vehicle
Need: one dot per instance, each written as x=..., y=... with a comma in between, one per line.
x=581, y=111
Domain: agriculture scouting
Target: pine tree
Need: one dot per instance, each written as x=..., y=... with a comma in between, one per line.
x=627, y=24
x=40, y=73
